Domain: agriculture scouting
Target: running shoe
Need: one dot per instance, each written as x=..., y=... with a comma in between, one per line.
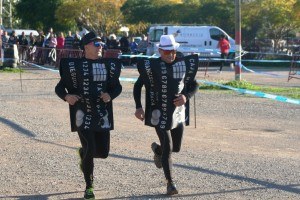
x=171, y=188
x=79, y=151
x=157, y=156
x=89, y=194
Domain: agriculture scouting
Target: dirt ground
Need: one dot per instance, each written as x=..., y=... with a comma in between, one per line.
x=236, y=147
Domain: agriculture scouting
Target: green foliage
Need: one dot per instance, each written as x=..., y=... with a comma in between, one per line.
x=225, y=17
x=38, y=15
x=260, y=18
x=240, y=84
x=11, y=70
x=190, y=12
x=136, y=10
x=97, y=15
x=270, y=18
x=192, y=2
x=288, y=92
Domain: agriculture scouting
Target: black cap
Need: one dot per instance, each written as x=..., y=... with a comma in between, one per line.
x=89, y=37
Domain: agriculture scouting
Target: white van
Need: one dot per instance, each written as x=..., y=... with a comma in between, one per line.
x=26, y=31
x=192, y=39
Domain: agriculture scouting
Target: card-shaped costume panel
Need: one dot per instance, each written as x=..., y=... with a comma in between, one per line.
x=88, y=79
x=163, y=83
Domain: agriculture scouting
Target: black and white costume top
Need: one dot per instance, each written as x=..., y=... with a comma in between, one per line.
x=163, y=83
x=88, y=79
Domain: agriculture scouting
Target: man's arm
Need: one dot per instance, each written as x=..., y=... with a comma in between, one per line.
x=191, y=89
x=60, y=89
x=113, y=91
x=137, y=92
x=61, y=92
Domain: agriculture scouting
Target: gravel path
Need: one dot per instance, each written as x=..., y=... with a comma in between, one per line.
x=243, y=147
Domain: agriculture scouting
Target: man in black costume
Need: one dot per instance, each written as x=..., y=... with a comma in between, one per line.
x=170, y=83
x=89, y=85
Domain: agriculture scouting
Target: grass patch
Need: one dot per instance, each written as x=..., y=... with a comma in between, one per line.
x=286, y=92
x=11, y=70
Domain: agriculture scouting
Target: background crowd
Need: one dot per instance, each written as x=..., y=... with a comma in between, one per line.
x=43, y=44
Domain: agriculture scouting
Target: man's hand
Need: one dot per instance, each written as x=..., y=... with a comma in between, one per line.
x=140, y=114
x=180, y=100
x=105, y=97
x=72, y=98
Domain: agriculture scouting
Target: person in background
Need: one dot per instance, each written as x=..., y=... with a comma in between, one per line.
x=50, y=31
x=39, y=50
x=124, y=43
x=133, y=46
x=52, y=41
x=13, y=39
x=50, y=44
x=22, y=39
x=104, y=38
x=76, y=41
x=32, y=44
x=43, y=37
x=69, y=39
x=60, y=41
x=224, y=46
x=23, y=45
x=125, y=48
x=32, y=40
x=112, y=42
x=142, y=46
x=169, y=82
x=59, y=47
x=5, y=38
x=89, y=85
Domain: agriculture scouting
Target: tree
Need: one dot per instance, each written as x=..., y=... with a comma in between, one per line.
x=223, y=14
x=8, y=14
x=138, y=29
x=139, y=10
x=95, y=15
x=155, y=11
x=191, y=2
x=272, y=18
x=38, y=15
x=181, y=12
